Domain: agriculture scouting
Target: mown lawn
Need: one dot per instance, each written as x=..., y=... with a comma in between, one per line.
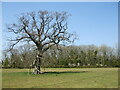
x=61, y=78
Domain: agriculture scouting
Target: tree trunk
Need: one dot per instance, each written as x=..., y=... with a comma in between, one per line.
x=37, y=64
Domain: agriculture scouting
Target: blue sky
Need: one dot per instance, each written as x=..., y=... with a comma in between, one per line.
x=94, y=22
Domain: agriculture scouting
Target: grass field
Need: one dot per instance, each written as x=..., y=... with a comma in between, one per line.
x=61, y=78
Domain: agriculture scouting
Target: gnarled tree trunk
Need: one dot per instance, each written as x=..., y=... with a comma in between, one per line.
x=37, y=63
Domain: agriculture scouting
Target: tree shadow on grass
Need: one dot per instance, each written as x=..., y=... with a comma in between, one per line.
x=65, y=72
x=47, y=73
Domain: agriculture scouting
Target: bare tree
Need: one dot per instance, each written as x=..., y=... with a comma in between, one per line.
x=45, y=29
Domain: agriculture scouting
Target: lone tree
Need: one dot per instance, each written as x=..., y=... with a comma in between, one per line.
x=45, y=29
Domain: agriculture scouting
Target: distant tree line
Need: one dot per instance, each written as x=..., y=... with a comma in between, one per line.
x=64, y=56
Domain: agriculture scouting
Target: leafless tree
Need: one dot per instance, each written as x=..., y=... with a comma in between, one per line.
x=45, y=29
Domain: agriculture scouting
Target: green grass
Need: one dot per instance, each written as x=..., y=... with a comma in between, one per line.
x=61, y=78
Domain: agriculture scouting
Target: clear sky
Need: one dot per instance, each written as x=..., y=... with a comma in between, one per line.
x=94, y=22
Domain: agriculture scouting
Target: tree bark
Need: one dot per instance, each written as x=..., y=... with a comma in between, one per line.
x=37, y=64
